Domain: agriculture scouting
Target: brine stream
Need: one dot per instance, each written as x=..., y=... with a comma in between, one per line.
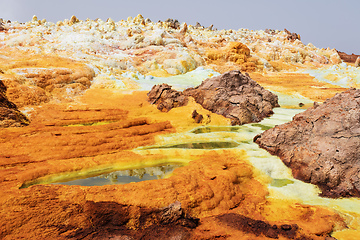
x=282, y=184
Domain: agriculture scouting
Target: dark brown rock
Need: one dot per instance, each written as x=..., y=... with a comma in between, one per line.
x=292, y=36
x=198, y=25
x=321, y=145
x=197, y=117
x=10, y=116
x=2, y=27
x=347, y=57
x=270, y=31
x=173, y=23
x=235, y=96
x=174, y=214
x=261, y=228
x=108, y=220
x=166, y=98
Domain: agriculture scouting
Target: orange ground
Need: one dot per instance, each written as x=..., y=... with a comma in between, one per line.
x=213, y=183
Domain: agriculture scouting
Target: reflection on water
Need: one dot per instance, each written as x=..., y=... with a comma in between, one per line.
x=108, y=178
x=262, y=126
x=281, y=182
x=199, y=145
x=215, y=129
x=211, y=129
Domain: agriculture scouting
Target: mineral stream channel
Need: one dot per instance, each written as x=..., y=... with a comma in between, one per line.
x=283, y=185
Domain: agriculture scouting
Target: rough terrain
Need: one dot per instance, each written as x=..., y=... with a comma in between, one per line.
x=235, y=96
x=321, y=145
x=350, y=58
x=166, y=98
x=214, y=183
x=82, y=85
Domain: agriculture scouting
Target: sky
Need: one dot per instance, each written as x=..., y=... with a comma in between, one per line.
x=324, y=23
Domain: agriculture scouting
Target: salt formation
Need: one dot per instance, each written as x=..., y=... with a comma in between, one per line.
x=159, y=49
x=343, y=75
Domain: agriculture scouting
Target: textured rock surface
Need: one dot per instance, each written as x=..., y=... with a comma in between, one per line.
x=10, y=116
x=72, y=133
x=234, y=52
x=321, y=145
x=351, y=58
x=292, y=36
x=258, y=227
x=166, y=98
x=33, y=79
x=197, y=117
x=235, y=96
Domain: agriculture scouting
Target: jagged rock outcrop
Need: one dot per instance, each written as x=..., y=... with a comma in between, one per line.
x=321, y=145
x=173, y=23
x=166, y=98
x=197, y=117
x=292, y=36
x=347, y=57
x=232, y=94
x=2, y=27
x=235, y=96
x=10, y=116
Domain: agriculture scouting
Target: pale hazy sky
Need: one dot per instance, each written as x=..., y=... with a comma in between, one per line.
x=325, y=23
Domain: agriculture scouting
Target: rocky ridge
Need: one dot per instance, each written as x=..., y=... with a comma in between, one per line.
x=321, y=145
x=350, y=58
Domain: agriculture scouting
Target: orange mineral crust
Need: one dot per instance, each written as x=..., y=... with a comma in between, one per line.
x=81, y=89
x=33, y=79
x=138, y=106
x=297, y=83
x=219, y=187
